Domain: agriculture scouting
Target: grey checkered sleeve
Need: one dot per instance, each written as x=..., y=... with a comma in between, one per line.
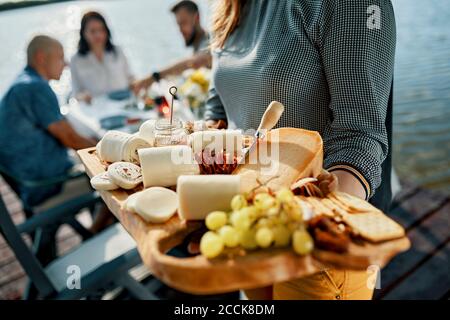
x=214, y=109
x=358, y=63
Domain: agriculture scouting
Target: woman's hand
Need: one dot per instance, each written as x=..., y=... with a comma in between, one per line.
x=143, y=84
x=340, y=180
x=328, y=182
x=349, y=183
x=85, y=97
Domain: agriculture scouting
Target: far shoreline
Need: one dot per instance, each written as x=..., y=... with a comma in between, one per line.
x=25, y=4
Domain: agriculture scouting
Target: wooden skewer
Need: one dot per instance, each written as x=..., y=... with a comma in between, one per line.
x=172, y=91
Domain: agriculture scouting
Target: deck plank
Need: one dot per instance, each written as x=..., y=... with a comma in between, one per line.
x=431, y=281
x=417, y=207
x=425, y=238
x=13, y=290
x=407, y=190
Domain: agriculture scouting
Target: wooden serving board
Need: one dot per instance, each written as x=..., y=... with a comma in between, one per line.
x=241, y=270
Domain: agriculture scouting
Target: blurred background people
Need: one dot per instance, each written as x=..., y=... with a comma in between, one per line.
x=187, y=16
x=34, y=135
x=99, y=67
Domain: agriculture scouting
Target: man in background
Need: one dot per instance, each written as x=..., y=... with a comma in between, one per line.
x=34, y=135
x=187, y=16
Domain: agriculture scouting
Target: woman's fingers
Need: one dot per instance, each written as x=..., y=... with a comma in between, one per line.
x=328, y=182
x=193, y=247
x=216, y=124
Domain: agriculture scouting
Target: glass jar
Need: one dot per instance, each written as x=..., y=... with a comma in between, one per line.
x=167, y=134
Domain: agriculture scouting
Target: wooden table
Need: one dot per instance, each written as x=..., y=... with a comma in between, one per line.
x=86, y=118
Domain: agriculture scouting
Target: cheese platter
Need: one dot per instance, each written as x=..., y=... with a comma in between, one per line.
x=361, y=235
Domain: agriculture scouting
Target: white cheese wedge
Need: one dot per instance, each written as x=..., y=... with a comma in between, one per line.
x=102, y=182
x=125, y=174
x=199, y=195
x=147, y=131
x=156, y=205
x=218, y=140
x=162, y=166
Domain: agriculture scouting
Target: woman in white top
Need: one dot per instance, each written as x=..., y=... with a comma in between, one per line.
x=99, y=67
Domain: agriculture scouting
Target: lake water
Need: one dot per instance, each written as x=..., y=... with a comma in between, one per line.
x=147, y=31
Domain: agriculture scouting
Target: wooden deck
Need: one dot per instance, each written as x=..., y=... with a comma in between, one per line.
x=423, y=271
x=420, y=273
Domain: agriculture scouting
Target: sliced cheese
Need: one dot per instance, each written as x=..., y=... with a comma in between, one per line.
x=125, y=174
x=218, y=140
x=131, y=147
x=162, y=166
x=130, y=204
x=120, y=146
x=110, y=148
x=156, y=205
x=199, y=195
x=98, y=148
x=102, y=182
x=147, y=131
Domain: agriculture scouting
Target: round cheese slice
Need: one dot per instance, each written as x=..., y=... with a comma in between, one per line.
x=156, y=204
x=102, y=182
x=130, y=204
x=125, y=174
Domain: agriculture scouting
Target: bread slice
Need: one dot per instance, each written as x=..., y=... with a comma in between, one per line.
x=282, y=157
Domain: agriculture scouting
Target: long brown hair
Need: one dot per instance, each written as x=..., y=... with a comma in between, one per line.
x=83, y=46
x=225, y=19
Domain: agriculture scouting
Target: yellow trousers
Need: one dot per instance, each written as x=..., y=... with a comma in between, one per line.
x=328, y=284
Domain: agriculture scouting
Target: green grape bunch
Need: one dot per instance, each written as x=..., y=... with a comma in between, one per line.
x=262, y=220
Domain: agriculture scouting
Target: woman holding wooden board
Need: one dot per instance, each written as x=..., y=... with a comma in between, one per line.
x=330, y=63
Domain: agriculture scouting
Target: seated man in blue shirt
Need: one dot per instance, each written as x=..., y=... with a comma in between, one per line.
x=34, y=135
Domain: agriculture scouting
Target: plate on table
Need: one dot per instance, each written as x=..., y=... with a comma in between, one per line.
x=119, y=95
